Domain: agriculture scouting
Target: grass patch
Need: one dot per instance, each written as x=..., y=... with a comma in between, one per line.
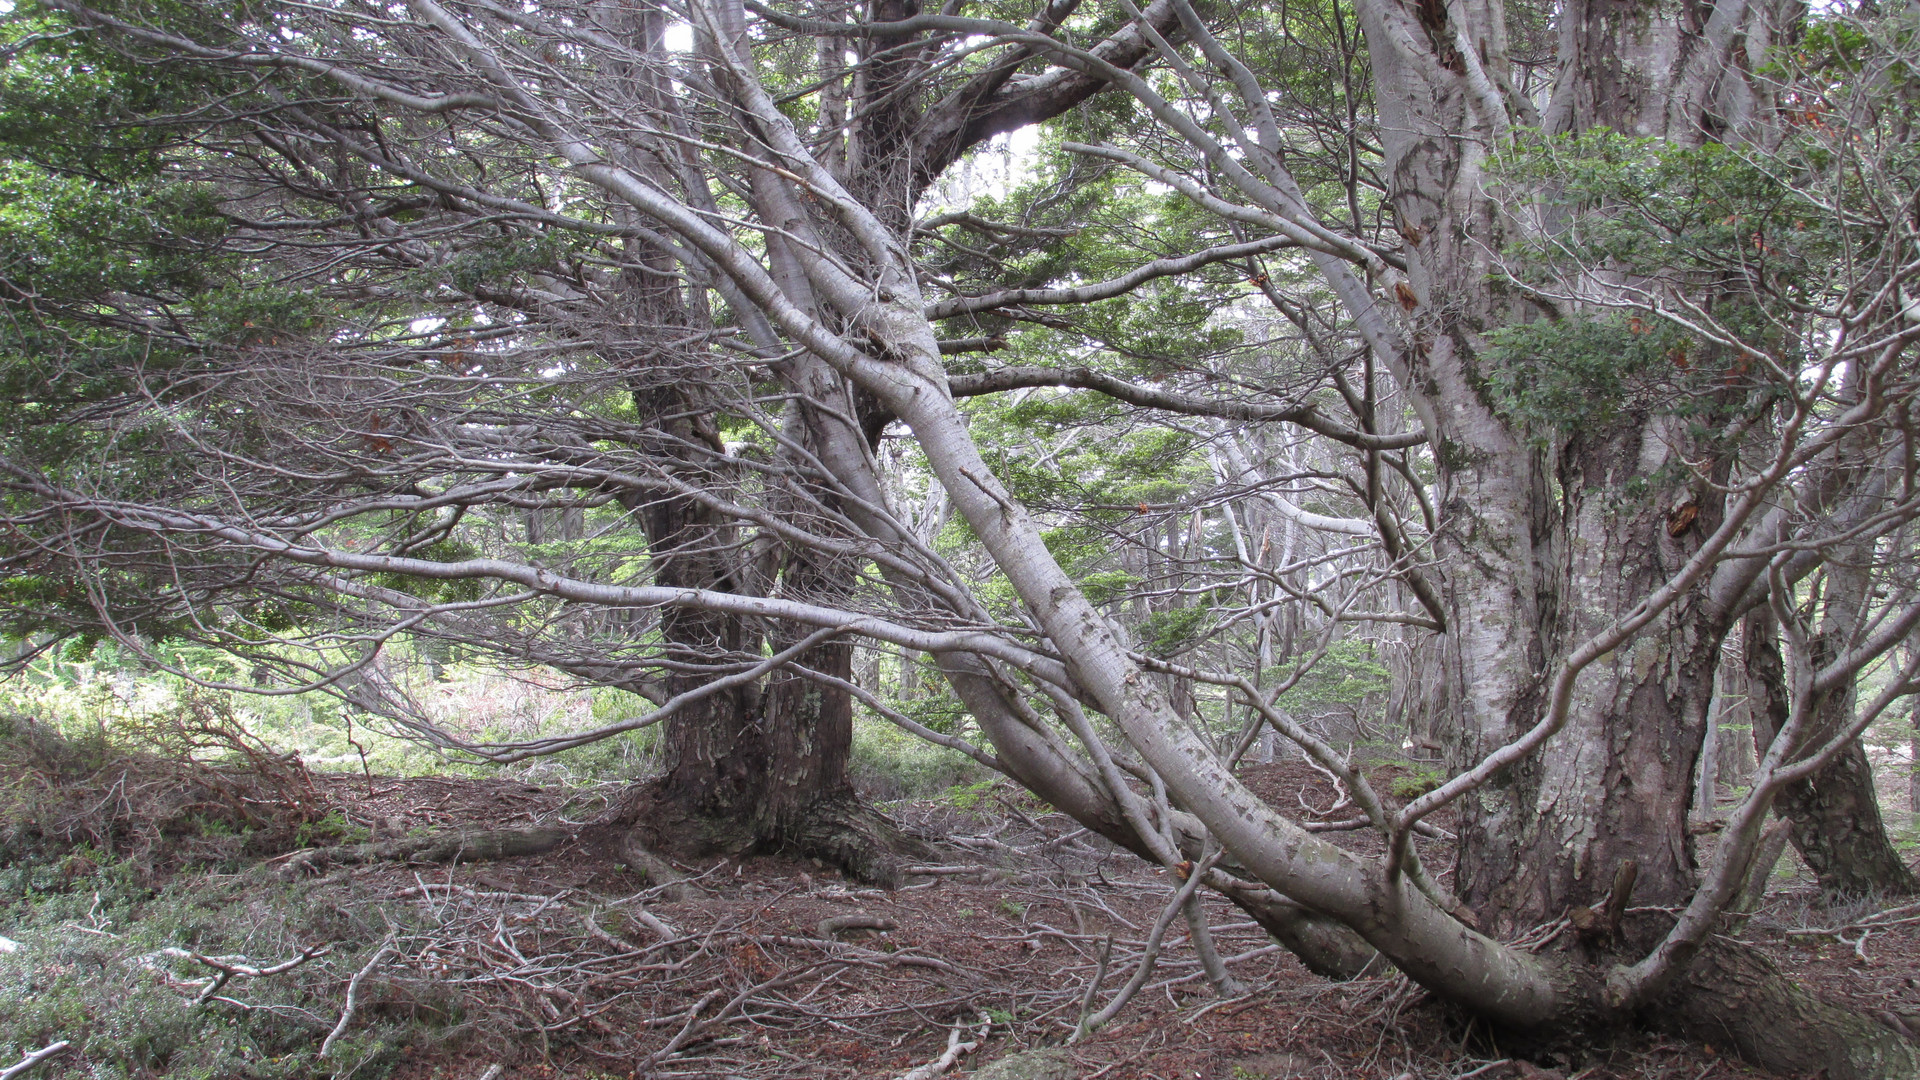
x=98, y=965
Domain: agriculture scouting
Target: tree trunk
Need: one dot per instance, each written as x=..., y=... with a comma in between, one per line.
x=1835, y=814
x=757, y=768
x=1732, y=995
x=1544, y=545
x=1616, y=785
x=751, y=767
x=718, y=750
x=1913, y=757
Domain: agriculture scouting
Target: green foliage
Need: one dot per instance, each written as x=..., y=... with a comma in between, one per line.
x=90, y=970
x=1168, y=633
x=888, y=763
x=497, y=260
x=1650, y=207
x=438, y=590
x=1347, y=675
x=333, y=828
x=968, y=796
x=1108, y=586
x=1549, y=375
x=1417, y=782
x=1758, y=241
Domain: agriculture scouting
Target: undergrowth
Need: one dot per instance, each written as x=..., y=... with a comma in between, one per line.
x=93, y=967
x=190, y=786
x=123, y=851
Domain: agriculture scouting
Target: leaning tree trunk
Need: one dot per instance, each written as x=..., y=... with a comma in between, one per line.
x=894, y=355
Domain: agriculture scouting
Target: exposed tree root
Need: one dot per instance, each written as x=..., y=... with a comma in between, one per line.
x=855, y=839
x=1733, y=995
x=840, y=832
x=1730, y=995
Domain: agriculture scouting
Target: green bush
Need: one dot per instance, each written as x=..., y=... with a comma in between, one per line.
x=888, y=763
x=1420, y=780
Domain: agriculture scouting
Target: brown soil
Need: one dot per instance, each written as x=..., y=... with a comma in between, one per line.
x=565, y=978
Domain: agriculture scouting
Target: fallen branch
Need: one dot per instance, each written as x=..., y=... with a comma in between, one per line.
x=1879, y=920
x=33, y=1058
x=449, y=847
x=353, y=993
x=833, y=926
x=674, y=887
x=1355, y=824
x=955, y=1051
x=1093, y=991
x=695, y=1027
x=225, y=970
x=859, y=952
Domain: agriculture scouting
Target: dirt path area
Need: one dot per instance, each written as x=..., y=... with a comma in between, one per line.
x=780, y=969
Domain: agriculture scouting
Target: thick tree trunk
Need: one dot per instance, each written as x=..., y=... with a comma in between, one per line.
x=1838, y=831
x=756, y=769
x=1533, y=568
x=1913, y=755
x=1617, y=784
x=752, y=767
x=717, y=750
x=809, y=805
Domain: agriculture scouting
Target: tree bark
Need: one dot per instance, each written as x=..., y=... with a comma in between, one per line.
x=446, y=847
x=1616, y=785
x=1732, y=995
x=1913, y=756
x=1835, y=814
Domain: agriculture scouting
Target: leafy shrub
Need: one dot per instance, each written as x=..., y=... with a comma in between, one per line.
x=1419, y=780
x=888, y=763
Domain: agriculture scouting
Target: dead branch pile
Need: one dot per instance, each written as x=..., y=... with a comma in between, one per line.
x=190, y=787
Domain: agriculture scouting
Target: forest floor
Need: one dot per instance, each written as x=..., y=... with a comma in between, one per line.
x=569, y=964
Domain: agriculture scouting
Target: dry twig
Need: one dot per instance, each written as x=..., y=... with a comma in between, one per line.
x=33, y=1058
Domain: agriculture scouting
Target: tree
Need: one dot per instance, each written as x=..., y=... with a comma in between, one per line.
x=1648, y=313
